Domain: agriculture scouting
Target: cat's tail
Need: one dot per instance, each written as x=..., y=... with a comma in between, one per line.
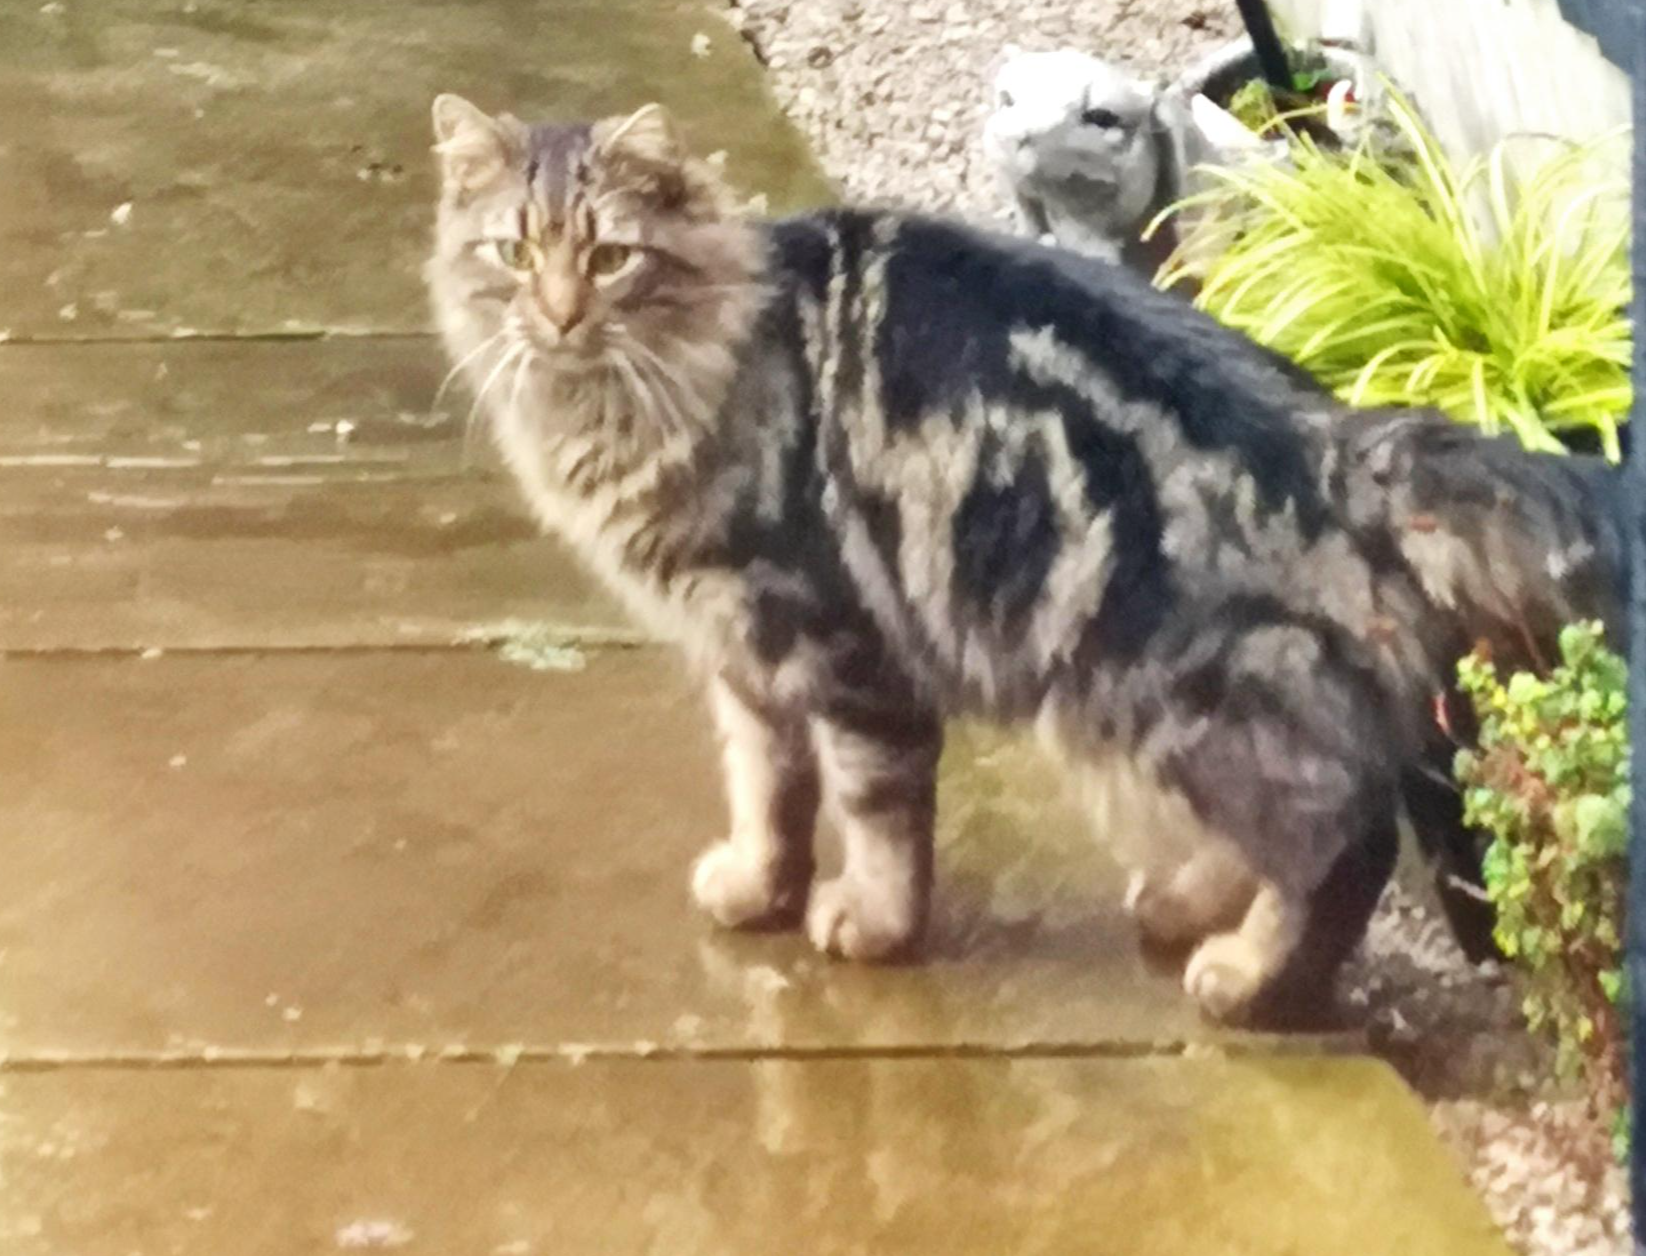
x=1507, y=546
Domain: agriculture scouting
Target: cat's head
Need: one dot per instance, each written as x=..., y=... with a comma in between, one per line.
x=588, y=246
x=1065, y=114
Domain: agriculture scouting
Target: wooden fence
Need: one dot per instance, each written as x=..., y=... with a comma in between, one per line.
x=1481, y=70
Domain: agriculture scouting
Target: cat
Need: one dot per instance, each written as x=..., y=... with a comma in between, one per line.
x=876, y=470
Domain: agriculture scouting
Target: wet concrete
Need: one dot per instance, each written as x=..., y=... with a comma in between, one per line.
x=708, y=1158
x=280, y=853
x=260, y=493
x=218, y=166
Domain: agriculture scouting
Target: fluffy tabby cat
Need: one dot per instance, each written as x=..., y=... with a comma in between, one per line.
x=878, y=470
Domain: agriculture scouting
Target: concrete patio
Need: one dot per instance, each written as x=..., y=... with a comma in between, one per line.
x=344, y=827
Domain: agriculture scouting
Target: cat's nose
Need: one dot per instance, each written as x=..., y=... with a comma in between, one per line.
x=569, y=318
x=564, y=304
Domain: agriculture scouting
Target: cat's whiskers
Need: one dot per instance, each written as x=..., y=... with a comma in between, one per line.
x=622, y=365
x=500, y=365
x=622, y=353
x=645, y=356
x=637, y=357
x=653, y=374
x=464, y=362
x=520, y=376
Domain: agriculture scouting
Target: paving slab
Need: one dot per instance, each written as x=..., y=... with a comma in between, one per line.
x=302, y=852
x=334, y=406
x=764, y=1158
x=183, y=167
x=261, y=494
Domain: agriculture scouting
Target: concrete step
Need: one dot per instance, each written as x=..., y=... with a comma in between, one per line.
x=287, y=853
x=261, y=493
x=759, y=1158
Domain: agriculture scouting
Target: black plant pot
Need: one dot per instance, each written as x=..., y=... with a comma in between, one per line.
x=1220, y=75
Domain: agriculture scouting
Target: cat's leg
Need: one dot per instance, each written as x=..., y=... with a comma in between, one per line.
x=879, y=773
x=759, y=876
x=1276, y=969
x=1210, y=891
x=1282, y=742
x=1228, y=971
x=1436, y=812
x=1435, y=809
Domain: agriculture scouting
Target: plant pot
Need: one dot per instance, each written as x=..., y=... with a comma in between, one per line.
x=1219, y=76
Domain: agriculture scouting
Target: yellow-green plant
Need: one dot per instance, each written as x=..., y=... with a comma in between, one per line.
x=1549, y=782
x=1380, y=277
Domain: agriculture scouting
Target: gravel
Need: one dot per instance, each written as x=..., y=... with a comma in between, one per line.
x=892, y=98
x=892, y=95
x=1542, y=1164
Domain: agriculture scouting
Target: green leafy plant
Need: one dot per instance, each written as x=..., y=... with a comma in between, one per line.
x=1549, y=782
x=1381, y=276
x=1253, y=105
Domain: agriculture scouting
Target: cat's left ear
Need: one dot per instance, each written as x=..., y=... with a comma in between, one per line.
x=647, y=135
x=644, y=151
x=474, y=148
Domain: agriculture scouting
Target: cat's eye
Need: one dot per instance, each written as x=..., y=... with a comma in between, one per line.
x=608, y=259
x=518, y=254
x=1005, y=99
x=1104, y=119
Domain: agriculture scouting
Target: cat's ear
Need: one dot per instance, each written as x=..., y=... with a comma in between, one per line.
x=644, y=151
x=647, y=135
x=474, y=148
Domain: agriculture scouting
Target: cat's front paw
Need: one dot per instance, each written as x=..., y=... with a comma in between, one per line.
x=743, y=894
x=853, y=920
x=1224, y=976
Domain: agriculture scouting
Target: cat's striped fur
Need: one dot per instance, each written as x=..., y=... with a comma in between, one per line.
x=876, y=470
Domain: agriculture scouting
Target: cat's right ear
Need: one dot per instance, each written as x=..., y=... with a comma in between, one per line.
x=475, y=149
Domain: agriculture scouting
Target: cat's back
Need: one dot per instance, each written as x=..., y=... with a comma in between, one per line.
x=938, y=315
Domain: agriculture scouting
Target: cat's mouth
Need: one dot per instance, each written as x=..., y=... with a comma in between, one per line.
x=574, y=348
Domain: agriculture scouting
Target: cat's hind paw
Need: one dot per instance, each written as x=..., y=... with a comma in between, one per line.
x=1224, y=976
